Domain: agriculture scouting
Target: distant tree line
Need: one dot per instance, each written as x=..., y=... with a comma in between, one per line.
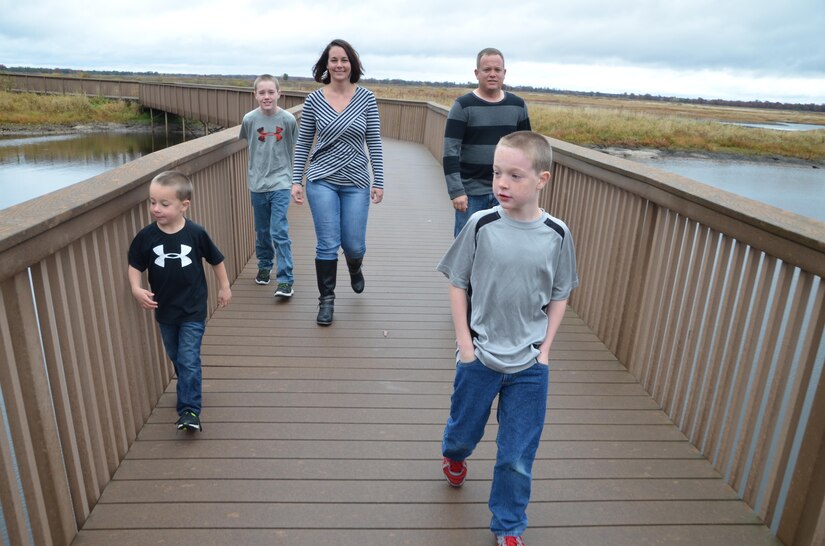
x=810, y=107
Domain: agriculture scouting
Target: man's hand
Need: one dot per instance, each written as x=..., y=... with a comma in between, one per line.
x=460, y=203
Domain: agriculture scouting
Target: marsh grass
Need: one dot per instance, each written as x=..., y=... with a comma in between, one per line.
x=611, y=122
x=584, y=120
x=34, y=109
x=602, y=127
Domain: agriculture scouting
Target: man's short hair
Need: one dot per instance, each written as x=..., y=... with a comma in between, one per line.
x=488, y=51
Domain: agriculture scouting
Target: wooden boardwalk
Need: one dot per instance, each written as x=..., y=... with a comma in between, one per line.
x=331, y=436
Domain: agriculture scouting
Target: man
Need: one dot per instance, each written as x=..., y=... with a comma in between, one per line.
x=475, y=124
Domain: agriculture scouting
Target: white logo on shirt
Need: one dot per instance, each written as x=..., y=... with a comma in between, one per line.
x=182, y=255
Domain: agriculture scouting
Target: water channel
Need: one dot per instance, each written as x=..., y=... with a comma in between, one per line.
x=34, y=165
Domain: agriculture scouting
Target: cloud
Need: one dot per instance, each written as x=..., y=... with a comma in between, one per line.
x=735, y=48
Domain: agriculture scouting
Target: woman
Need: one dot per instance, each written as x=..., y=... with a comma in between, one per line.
x=341, y=117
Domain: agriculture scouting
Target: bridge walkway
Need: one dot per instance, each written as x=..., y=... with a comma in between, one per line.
x=332, y=435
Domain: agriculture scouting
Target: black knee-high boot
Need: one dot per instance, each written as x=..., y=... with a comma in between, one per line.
x=326, y=271
x=356, y=276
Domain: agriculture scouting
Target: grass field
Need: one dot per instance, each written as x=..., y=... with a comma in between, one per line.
x=33, y=109
x=613, y=122
x=585, y=120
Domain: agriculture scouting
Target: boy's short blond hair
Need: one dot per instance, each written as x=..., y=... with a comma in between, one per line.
x=178, y=180
x=534, y=146
x=266, y=78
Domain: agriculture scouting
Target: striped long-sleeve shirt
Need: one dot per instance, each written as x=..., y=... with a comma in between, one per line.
x=473, y=129
x=338, y=155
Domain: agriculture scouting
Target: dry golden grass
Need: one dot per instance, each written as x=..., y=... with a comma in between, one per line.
x=34, y=109
x=584, y=120
x=613, y=122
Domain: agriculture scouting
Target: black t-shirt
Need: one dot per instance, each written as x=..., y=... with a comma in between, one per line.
x=176, y=275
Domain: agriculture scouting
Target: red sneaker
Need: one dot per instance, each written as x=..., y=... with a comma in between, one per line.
x=510, y=541
x=456, y=471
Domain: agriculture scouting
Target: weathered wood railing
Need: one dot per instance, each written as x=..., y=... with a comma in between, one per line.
x=715, y=303
x=77, y=394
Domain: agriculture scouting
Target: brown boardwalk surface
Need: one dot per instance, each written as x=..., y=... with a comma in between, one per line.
x=332, y=435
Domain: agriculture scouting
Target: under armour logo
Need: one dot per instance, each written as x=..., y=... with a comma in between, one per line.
x=277, y=134
x=182, y=255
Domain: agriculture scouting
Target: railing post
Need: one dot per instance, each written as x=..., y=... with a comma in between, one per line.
x=31, y=419
x=802, y=520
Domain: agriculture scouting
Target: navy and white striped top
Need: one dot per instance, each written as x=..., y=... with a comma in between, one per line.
x=338, y=155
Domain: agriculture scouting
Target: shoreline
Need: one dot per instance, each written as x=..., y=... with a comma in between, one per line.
x=652, y=154
x=47, y=129
x=14, y=129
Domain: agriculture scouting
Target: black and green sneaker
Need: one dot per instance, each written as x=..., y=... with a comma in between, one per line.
x=263, y=276
x=284, y=290
x=189, y=420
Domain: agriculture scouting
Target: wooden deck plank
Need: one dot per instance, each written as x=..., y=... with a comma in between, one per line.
x=336, y=400
x=163, y=491
x=428, y=515
x=390, y=432
x=410, y=450
x=332, y=435
x=187, y=462
x=289, y=414
x=663, y=535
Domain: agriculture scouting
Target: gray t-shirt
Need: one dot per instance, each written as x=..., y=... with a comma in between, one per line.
x=511, y=270
x=271, y=149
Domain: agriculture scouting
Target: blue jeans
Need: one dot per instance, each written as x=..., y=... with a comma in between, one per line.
x=475, y=203
x=272, y=232
x=183, y=346
x=522, y=404
x=340, y=217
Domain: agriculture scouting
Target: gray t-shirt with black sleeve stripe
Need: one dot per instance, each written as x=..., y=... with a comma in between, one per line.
x=511, y=270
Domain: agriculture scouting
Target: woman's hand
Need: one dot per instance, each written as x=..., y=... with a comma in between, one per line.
x=298, y=194
x=377, y=195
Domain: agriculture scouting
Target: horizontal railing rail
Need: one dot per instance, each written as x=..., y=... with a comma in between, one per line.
x=713, y=301
x=63, y=85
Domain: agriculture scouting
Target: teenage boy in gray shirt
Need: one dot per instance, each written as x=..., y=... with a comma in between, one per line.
x=511, y=271
x=270, y=132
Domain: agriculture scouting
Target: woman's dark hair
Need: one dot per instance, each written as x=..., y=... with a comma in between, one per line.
x=319, y=71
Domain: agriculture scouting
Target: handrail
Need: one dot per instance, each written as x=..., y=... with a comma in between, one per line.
x=77, y=394
x=714, y=302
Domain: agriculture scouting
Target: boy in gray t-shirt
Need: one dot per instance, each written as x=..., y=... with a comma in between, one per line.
x=270, y=133
x=511, y=270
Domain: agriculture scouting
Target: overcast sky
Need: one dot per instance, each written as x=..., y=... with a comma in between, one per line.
x=729, y=49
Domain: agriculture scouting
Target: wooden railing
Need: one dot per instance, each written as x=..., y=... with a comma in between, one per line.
x=714, y=302
x=60, y=85
x=82, y=367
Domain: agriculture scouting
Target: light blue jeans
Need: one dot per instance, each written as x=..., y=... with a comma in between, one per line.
x=340, y=216
x=272, y=232
x=522, y=404
x=183, y=347
x=475, y=203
